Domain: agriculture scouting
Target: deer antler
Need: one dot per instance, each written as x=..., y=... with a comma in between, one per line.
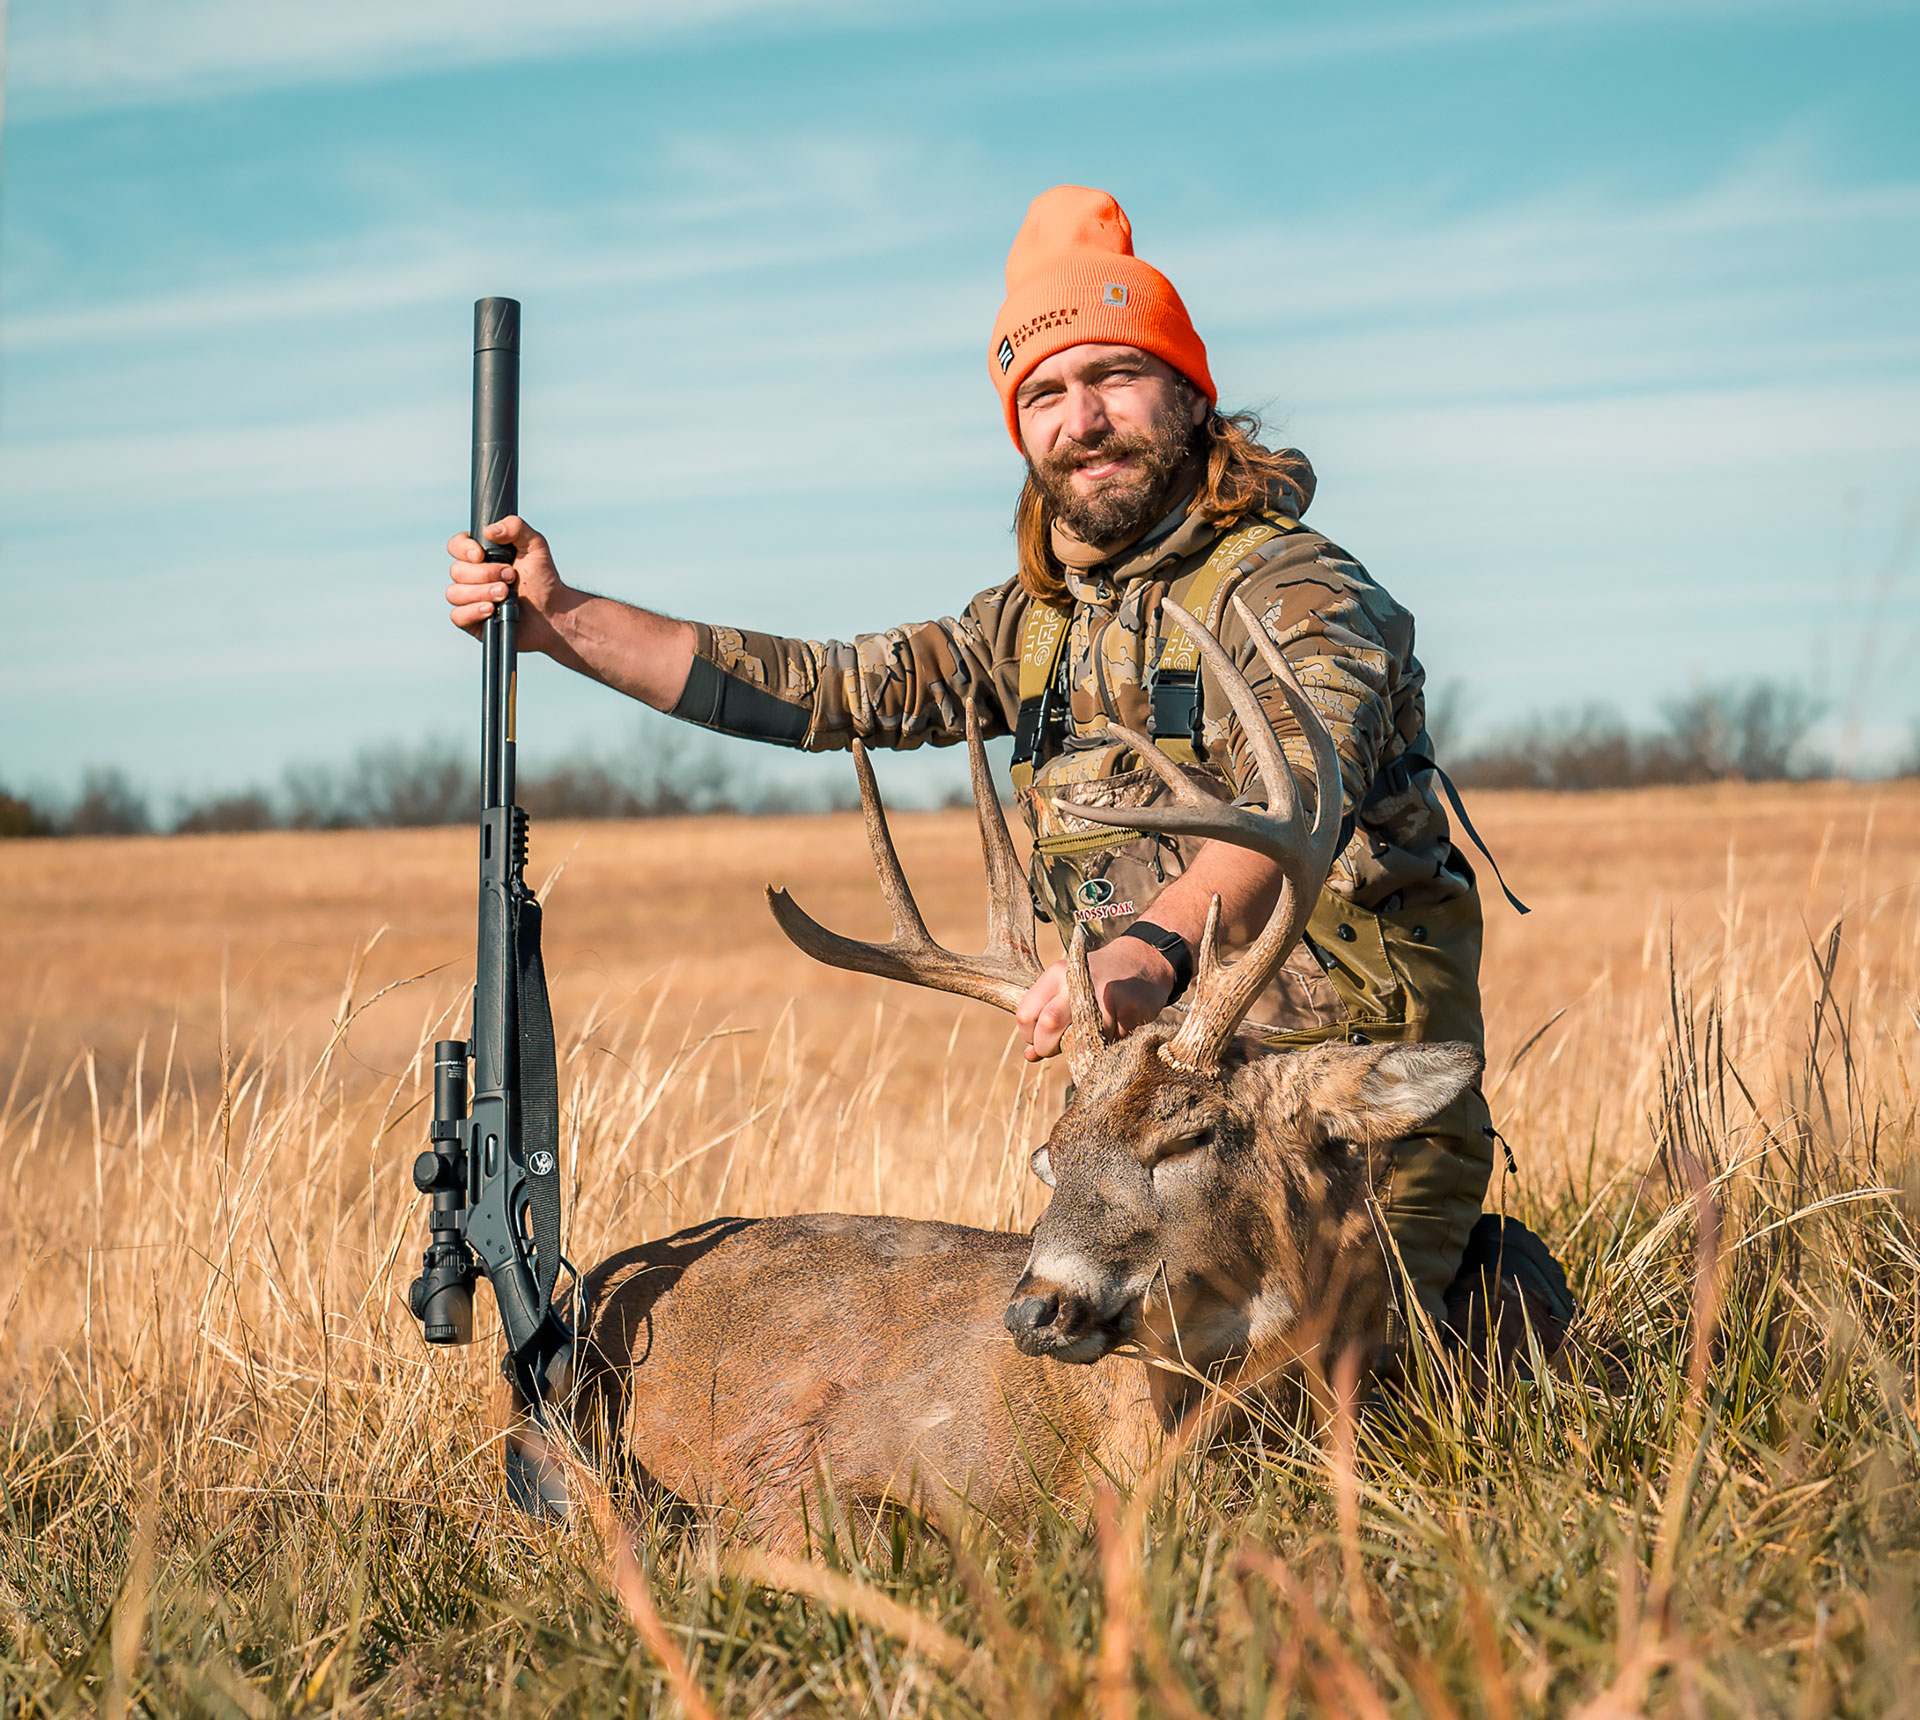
x=1223, y=994
x=1009, y=966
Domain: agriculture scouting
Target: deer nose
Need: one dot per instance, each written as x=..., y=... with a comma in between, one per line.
x=1030, y=1313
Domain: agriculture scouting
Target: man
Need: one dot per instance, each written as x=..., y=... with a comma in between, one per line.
x=1137, y=488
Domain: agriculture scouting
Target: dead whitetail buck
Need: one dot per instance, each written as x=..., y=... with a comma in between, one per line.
x=1211, y=1220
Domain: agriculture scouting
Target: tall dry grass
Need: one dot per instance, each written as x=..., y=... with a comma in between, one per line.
x=237, y=1483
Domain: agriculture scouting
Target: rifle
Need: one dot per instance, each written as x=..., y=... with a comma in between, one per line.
x=493, y=1166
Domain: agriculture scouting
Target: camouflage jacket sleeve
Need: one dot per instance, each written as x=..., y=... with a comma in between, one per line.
x=1351, y=645
x=902, y=688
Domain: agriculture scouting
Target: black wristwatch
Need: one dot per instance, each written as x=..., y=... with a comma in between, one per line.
x=1172, y=946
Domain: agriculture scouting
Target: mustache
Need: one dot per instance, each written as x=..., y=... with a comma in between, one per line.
x=1065, y=457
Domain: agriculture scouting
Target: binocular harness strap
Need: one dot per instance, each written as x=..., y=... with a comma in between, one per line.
x=1173, y=678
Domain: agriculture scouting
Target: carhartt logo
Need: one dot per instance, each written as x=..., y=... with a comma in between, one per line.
x=1005, y=355
x=1113, y=293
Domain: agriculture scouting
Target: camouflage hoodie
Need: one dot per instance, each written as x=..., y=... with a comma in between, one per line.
x=1349, y=643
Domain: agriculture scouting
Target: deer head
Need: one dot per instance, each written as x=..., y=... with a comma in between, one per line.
x=1207, y=1215
x=1208, y=1201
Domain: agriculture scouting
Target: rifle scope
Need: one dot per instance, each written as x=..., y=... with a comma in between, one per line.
x=442, y=1296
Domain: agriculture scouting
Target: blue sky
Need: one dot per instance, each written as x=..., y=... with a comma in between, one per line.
x=1601, y=322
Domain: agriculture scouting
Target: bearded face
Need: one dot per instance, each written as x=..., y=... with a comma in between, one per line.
x=1118, y=508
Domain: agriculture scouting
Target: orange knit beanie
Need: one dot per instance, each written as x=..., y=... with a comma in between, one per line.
x=1072, y=278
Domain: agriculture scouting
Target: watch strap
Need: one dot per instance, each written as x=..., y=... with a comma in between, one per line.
x=1172, y=946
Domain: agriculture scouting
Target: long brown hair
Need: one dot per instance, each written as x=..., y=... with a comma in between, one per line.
x=1239, y=479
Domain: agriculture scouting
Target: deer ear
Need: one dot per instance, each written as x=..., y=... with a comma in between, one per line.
x=1388, y=1091
x=1042, y=1163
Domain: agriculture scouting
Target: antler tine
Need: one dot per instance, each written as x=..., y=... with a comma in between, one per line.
x=1089, y=1030
x=1178, y=782
x=908, y=926
x=1278, y=832
x=1010, y=927
x=1000, y=977
x=1327, y=808
x=1304, y=852
x=1223, y=995
x=1270, y=762
x=1206, y=958
x=1193, y=812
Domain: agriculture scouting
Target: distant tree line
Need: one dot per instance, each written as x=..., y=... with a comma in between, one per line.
x=1753, y=733
x=1756, y=733
x=433, y=783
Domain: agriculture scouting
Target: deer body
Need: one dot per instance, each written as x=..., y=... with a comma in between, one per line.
x=1217, y=1231
x=742, y=1365
x=1212, y=1223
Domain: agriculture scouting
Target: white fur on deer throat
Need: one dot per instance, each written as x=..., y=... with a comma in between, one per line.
x=1269, y=1314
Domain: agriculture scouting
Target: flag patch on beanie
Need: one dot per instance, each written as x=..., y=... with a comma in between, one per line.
x=1113, y=293
x=1005, y=355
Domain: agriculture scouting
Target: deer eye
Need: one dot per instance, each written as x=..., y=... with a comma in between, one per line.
x=1183, y=1147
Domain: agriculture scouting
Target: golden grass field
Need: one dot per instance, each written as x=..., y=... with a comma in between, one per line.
x=238, y=1483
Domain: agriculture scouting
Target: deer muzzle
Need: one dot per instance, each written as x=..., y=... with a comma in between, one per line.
x=1048, y=1319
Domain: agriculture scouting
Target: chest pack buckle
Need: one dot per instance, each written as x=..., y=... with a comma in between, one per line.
x=1173, y=711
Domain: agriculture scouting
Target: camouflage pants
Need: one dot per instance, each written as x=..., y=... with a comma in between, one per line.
x=1410, y=975
x=1434, y=1194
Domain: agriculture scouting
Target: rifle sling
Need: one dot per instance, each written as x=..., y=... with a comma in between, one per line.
x=539, y=1101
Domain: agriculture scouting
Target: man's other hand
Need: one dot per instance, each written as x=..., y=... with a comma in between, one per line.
x=1131, y=979
x=476, y=585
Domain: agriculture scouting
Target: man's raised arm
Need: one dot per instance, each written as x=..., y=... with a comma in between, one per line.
x=902, y=688
x=633, y=651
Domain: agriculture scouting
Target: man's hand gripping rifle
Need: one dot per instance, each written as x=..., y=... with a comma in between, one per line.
x=493, y=1170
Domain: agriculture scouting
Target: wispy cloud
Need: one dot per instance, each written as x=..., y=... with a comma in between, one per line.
x=1759, y=276
x=1594, y=426
x=79, y=55
x=67, y=55
x=1572, y=296
x=1307, y=36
